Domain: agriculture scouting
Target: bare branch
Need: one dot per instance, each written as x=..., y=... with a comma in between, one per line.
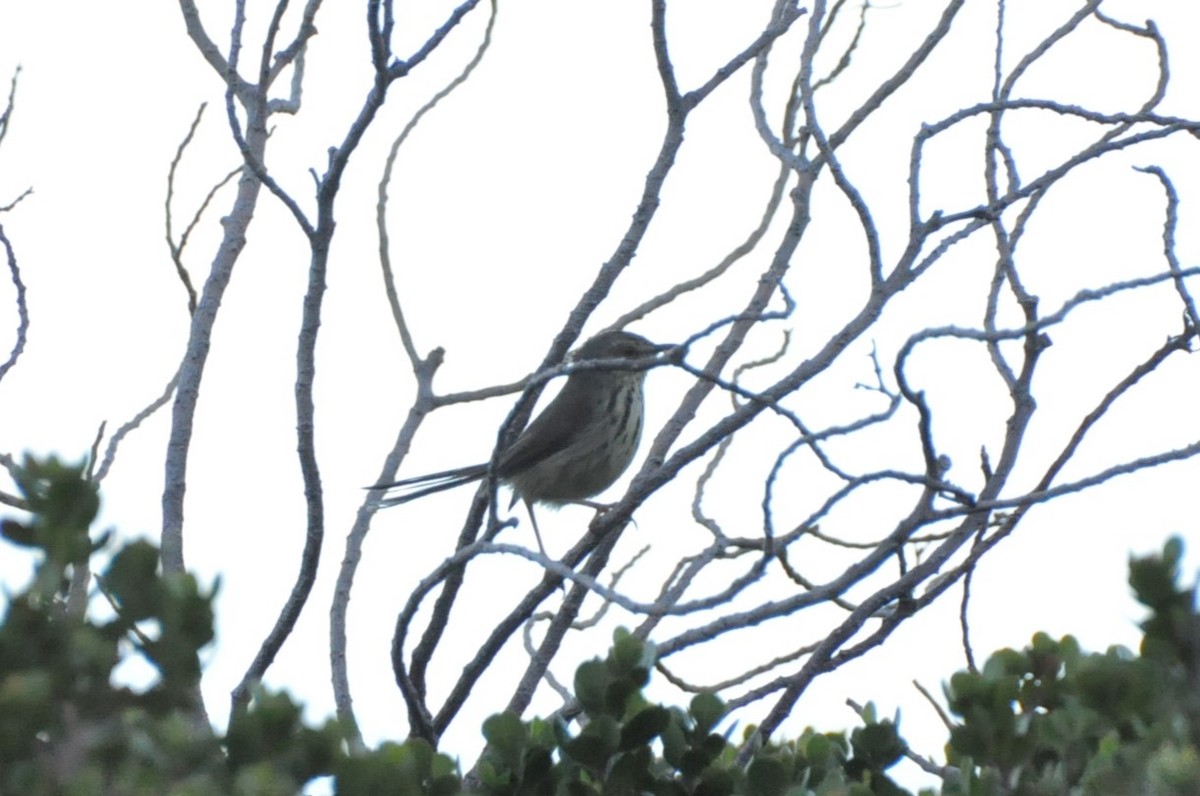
x=110, y=452
x=208, y=48
x=14, y=272
x=426, y=401
x=786, y=15
x=1169, y=224
x=400, y=68
x=6, y=115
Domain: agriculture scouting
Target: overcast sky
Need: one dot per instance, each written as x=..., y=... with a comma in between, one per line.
x=506, y=200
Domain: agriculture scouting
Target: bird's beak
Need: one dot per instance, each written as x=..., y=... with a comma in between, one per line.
x=674, y=352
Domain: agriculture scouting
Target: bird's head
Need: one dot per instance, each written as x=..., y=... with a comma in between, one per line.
x=617, y=344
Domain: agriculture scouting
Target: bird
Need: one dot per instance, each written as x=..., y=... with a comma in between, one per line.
x=576, y=448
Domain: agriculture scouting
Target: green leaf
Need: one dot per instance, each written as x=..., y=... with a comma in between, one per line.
x=64, y=504
x=644, y=727
x=715, y=782
x=819, y=750
x=538, y=765
x=580, y=788
x=18, y=534
x=132, y=580
x=626, y=651
x=673, y=740
x=506, y=736
x=595, y=744
x=707, y=709
x=619, y=696
x=693, y=761
x=374, y=773
x=877, y=745
x=630, y=773
x=591, y=685
x=766, y=776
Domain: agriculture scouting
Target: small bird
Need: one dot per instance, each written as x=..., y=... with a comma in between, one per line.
x=577, y=447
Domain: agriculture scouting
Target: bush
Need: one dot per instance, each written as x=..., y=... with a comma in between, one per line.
x=1049, y=719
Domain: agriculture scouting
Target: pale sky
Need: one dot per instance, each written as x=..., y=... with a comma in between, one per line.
x=506, y=200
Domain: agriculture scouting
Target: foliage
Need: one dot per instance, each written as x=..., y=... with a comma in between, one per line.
x=868, y=176
x=616, y=751
x=68, y=729
x=1049, y=719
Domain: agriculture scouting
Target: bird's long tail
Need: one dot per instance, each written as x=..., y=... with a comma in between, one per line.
x=422, y=485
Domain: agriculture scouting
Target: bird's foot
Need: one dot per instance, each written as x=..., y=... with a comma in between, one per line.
x=600, y=508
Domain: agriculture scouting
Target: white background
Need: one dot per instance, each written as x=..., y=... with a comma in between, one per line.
x=505, y=201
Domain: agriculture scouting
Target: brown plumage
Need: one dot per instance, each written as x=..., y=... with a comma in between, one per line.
x=577, y=447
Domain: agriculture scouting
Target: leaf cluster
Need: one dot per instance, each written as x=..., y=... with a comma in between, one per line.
x=1052, y=719
x=1049, y=719
x=628, y=745
x=66, y=727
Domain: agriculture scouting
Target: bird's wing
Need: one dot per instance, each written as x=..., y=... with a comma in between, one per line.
x=548, y=434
